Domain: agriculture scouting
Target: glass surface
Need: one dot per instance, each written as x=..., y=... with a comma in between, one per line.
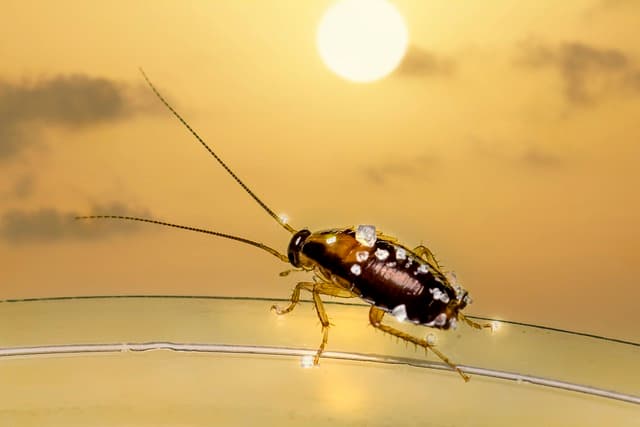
x=201, y=361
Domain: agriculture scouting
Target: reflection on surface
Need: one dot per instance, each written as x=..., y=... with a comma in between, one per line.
x=239, y=363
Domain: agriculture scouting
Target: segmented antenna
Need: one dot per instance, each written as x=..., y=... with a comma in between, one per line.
x=204, y=144
x=272, y=251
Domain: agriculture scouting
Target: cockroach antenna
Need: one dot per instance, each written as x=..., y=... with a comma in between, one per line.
x=272, y=251
x=278, y=219
x=223, y=164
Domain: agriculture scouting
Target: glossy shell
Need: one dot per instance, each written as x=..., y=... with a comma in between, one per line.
x=383, y=273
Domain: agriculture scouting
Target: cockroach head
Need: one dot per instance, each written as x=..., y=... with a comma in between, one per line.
x=463, y=299
x=295, y=246
x=456, y=305
x=452, y=313
x=461, y=296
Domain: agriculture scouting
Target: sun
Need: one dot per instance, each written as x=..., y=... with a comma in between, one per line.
x=362, y=40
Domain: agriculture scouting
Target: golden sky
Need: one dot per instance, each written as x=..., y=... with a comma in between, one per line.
x=507, y=141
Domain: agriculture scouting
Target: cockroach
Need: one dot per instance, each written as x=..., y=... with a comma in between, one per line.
x=355, y=262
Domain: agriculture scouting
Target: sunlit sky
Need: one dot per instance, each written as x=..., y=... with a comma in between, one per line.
x=507, y=141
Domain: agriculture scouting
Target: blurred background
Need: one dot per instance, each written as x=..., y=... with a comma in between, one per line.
x=506, y=140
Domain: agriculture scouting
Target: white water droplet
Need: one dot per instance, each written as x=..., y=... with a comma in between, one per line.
x=306, y=361
x=362, y=256
x=431, y=339
x=356, y=269
x=366, y=235
x=400, y=312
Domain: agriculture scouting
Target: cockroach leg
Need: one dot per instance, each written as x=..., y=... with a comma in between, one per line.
x=381, y=235
x=316, y=289
x=324, y=320
x=426, y=254
x=324, y=288
x=375, y=317
x=322, y=314
x=333, y=290
x=295, y=298
x=473, y=324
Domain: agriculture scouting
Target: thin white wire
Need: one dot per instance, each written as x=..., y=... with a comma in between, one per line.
x=287, y=351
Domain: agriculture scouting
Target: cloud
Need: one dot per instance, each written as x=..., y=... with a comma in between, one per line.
x=23, y=187
x=417, y=62
x=525, y=155
x=633, y=80
x=587, y=72
x=19, y=189
x=71, y=101
x=410, y=168
x=49, y=225
x=536, y=157
x=379, y=174
x=615, y=4
x=517, y=153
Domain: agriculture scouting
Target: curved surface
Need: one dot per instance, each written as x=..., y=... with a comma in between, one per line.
x=79, y=361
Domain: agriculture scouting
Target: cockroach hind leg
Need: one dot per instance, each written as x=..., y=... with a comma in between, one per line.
x=375, y=318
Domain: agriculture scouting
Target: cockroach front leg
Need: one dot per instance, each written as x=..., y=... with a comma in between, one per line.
x=473, y=324
x=295, y=298
x=375, y=317
x=324, y=320
x=324, y=288
x=316, y=290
